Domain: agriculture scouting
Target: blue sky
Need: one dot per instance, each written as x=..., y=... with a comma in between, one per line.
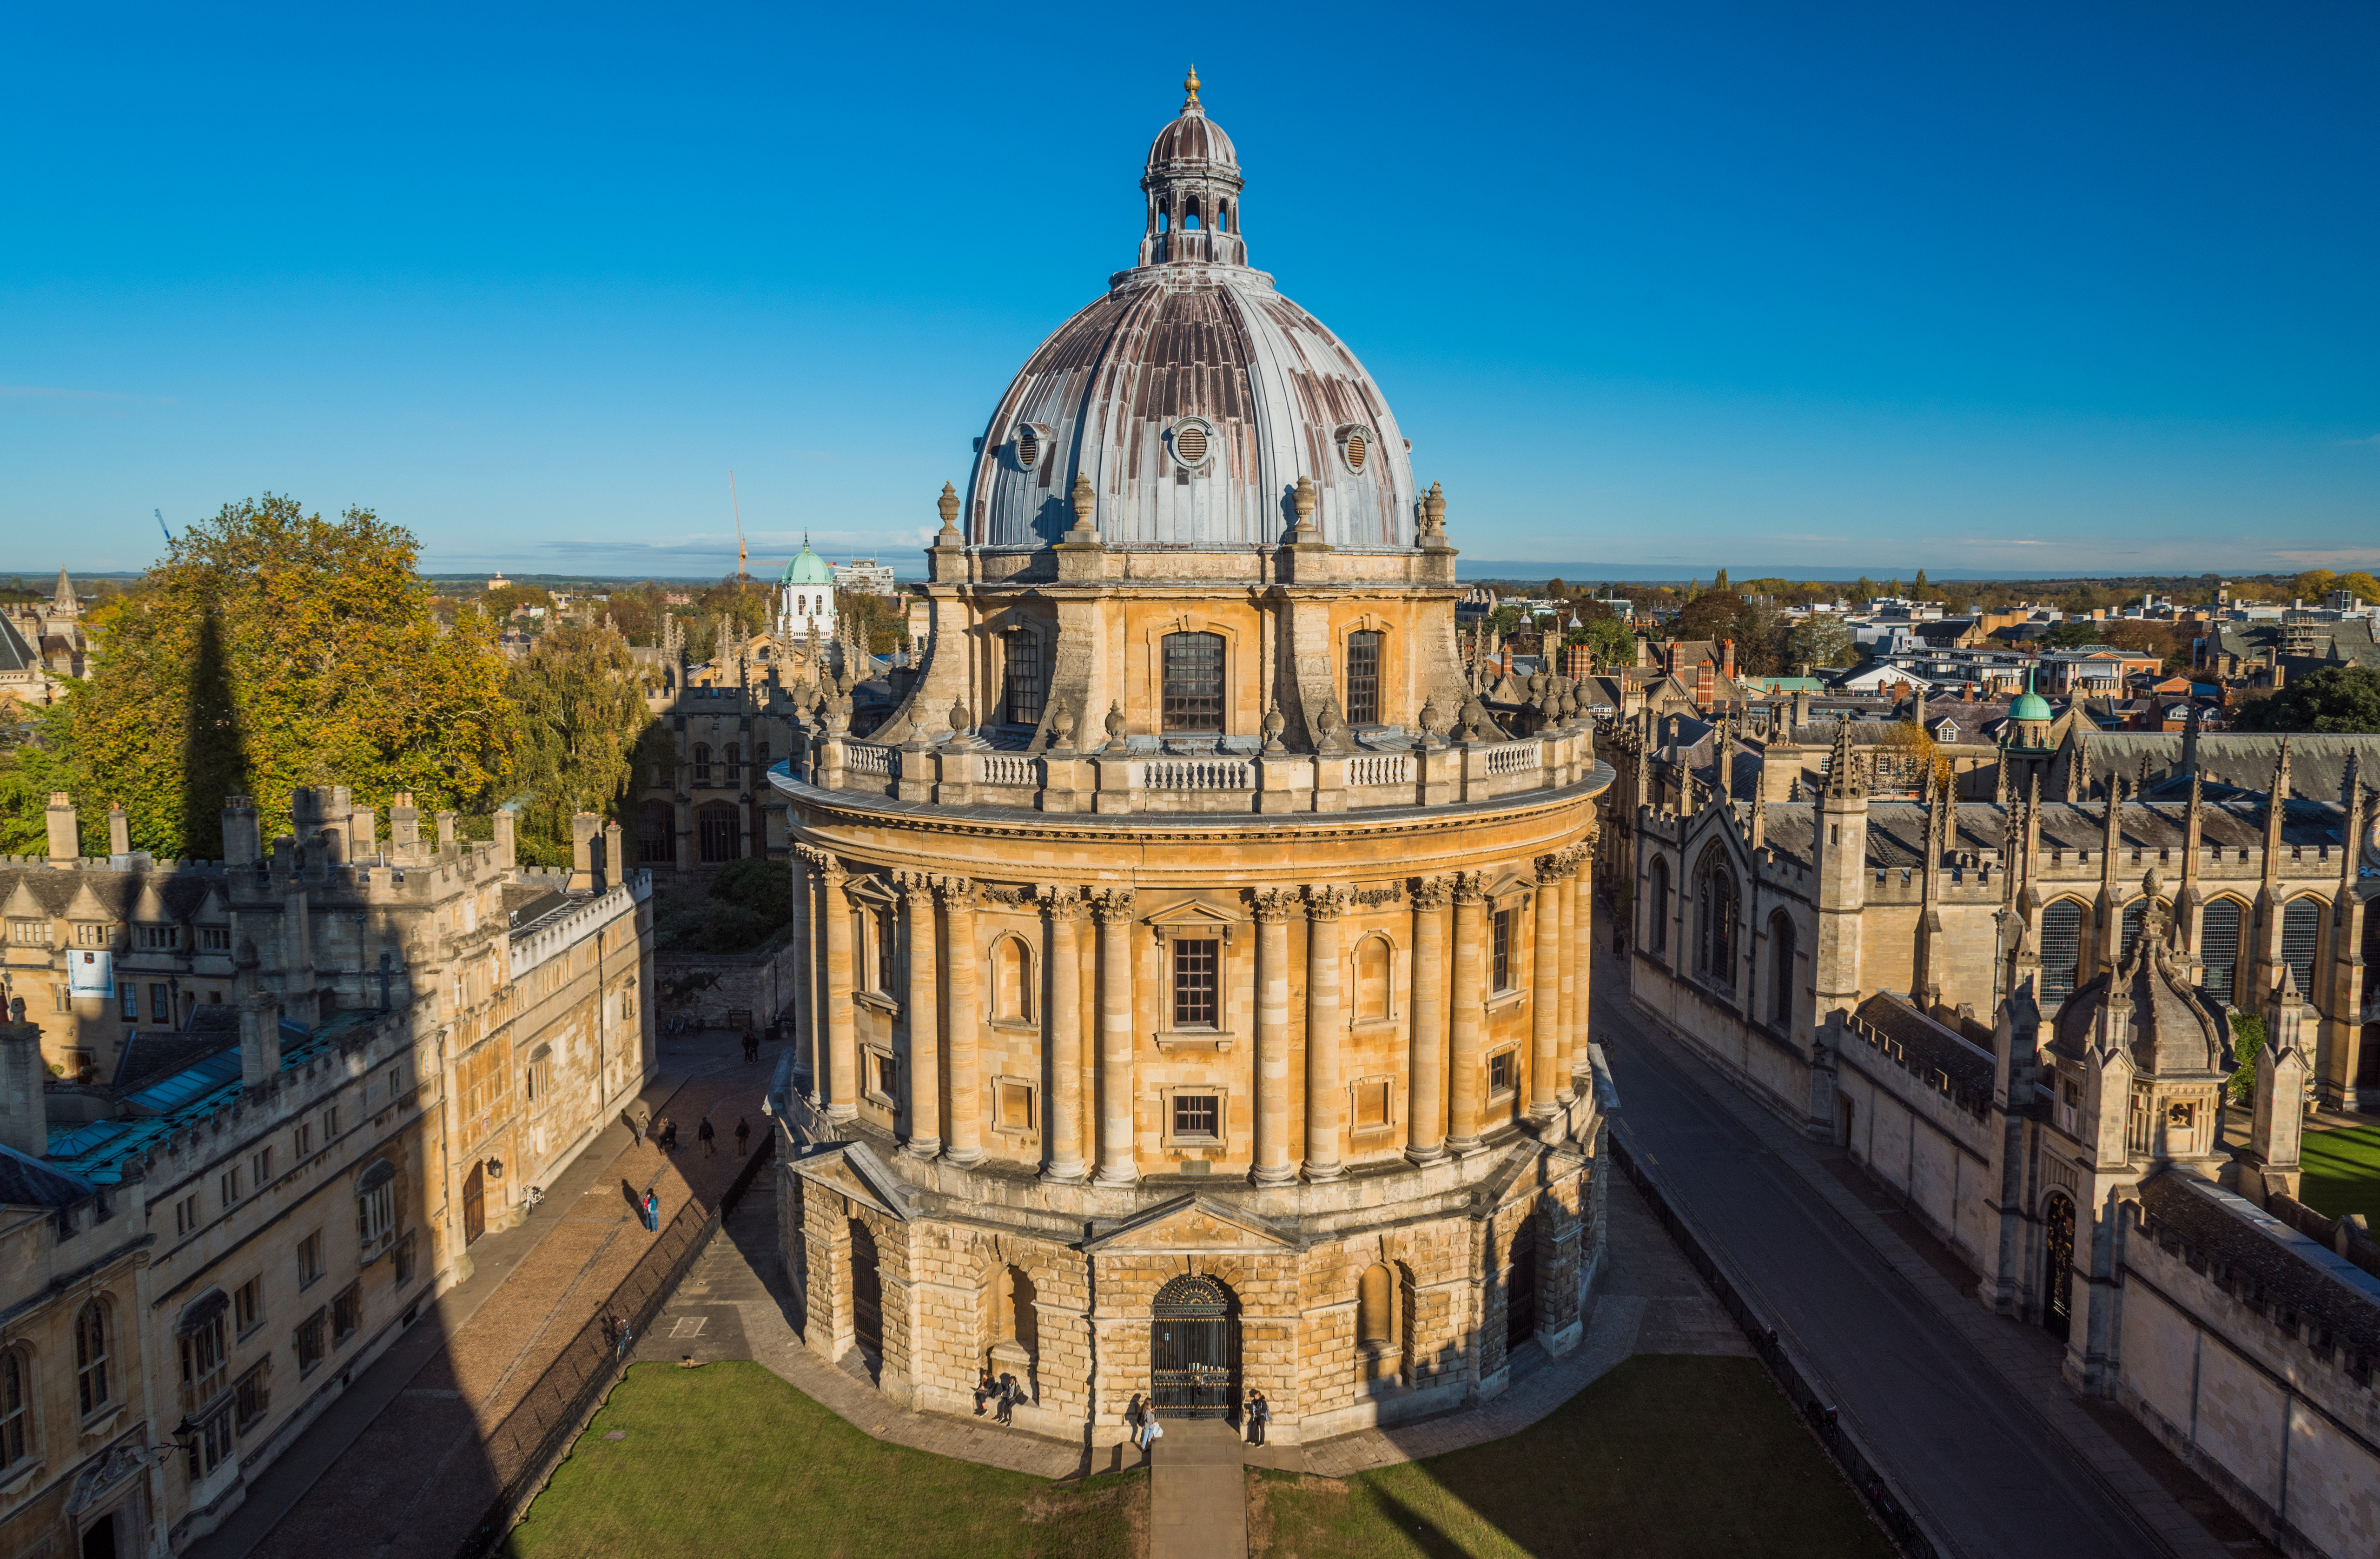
x=2022, y=289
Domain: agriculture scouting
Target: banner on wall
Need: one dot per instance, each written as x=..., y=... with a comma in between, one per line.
x=93, y=974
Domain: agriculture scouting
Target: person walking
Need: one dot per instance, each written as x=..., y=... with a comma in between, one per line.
x=635, y=1127
x=652, y=1212
x=1259, y=1415
x=668, y=1137
x=743, y=1136
x=1132, y=1418
x=708, y=1138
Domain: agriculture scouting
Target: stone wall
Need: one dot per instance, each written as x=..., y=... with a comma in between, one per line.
x=761, y=983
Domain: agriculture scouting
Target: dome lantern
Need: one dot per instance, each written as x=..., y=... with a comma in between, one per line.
x=1193, y=184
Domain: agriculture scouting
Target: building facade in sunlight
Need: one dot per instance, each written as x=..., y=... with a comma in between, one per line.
x=1194, y=977
x=201, y=1249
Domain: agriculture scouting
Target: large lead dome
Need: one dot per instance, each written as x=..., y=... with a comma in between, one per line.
x=1193, y=395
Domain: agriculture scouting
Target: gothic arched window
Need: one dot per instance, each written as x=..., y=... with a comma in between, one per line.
x=1780, y=969
x=2301, y=932
x=1715, y=918
x=1657, y=908
x=2061, y=949
x=2218, y=948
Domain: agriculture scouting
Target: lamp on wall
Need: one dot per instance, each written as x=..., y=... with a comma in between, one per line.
x=495, y=1169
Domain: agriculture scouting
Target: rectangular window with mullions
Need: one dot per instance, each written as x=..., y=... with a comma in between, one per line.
x=1197, y=1114
x=1503, y=928
x=1025, y=685
x=1193, y=682
x=1195, y=986
x=1364, y=678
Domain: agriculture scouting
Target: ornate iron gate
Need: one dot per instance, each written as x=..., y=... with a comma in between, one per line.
x=1193, y=1348
x=2057, y=1269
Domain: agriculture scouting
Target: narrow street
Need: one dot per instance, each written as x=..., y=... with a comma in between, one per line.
x=1948, y=1426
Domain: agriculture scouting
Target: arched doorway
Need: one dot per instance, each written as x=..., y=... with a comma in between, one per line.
x=1194, y=1349
x=1521, y=1287
x=2058, y=1268
x=716, y=826
x=866, y=1292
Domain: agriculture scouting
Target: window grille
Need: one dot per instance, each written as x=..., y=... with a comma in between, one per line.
x=1364, y=678
x=1025, y=685
x=1197, y=1114
x=1503, y=944
x=2062, y=950
x=91, y=1358
x=1195, y=983
x=2301, y=929
x=1193, y=682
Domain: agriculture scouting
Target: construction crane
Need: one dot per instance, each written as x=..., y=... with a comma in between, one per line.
x=161, y=524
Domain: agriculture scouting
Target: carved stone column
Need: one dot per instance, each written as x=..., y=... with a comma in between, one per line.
x=805, y=932
x=966, y=1144
x=1544, y=986
x=1119, y=1155
x=1582, y=961
x=1061, y=1028
x=1566, y=1050
x=925, y=1019
x=842, y=1038
x=1462, y=1024
x=1324, y=1105
x=1425, y=1101
x=1272, y=908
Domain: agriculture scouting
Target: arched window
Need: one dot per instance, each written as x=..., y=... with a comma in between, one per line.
x=1012, y=980
x=1371, y=977
x=1657, y=908
x=1013, y=1318
x=1162, y=224
x=1375, y=1318
x=716, y=831
x=1190, y=215
x=1364, y=678
x=16, y=1408
x=1222, y=216
x=2301, y=932
x=1715, y=917
x=655, y=832
x=2135, y=916
x=1024, y=685
x=701, y=763
x=1193, y=682
x=2062, y=950
x=1780, y=969
x=2218, y=949
x=91, y=1358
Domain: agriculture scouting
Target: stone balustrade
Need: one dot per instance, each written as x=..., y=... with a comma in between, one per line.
x=961, y=774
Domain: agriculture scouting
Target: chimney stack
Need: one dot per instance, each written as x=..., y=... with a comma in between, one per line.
x=259, y=1025
x=404, y=826
x=446, y=832
x=243, y=842
x=24, y=1110
x=507, y=853
x=66, y=834
x=119, y=831
x=297, y=998
x=613, y=861
x=1727, y=658
x=584, y=826
x=363, y=834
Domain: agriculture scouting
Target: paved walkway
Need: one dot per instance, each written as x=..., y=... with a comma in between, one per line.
x=1966, y=1408
x=398, y=1464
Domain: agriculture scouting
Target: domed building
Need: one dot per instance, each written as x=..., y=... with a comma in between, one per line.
x=1193, y=995
x=805, y=600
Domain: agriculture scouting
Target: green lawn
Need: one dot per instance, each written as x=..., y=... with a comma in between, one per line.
x=1666, y=1457
x=728, y=1459
x=2342, y=1172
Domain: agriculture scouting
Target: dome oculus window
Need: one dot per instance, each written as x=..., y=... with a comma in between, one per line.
x=1355, y=449
x=1029, y=442
x=1190, y=443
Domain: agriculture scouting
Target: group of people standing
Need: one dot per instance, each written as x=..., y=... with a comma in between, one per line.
x=1148, y=1428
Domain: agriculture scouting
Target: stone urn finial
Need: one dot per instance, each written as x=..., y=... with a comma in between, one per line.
x=949, y=504
x=1115, y=724
x=1327, y=722
x=1274, y=725
x=960, y=723
x=1085, y=499
x=1304, y=500
x=1429, y=715
x=1062, y=728
x=1433, y=509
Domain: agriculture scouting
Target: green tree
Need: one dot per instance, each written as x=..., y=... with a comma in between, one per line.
x=1607, y=638
x=499, y=602
x=1719, y=581
x=1862, y=589
x=1819, y=640
x=29, y=775
x=2314, y=584
x=270, y=649
x=581, y=711
x=2342, y=700
x=2360, y=583
x=1918, y=587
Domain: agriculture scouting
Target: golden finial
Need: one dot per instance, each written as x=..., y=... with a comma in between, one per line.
x=1190, y=85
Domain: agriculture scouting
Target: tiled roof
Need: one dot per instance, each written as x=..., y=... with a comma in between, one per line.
x=2249, y=1252
x=26, y=1181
